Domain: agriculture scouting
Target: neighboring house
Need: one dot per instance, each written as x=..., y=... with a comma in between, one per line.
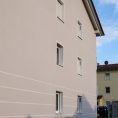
x=48, y=58
x=107, y=77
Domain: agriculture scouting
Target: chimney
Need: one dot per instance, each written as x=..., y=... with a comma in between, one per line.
x=106, y=62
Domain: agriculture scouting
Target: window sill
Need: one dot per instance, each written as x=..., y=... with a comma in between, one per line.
x=60, y=19
x=80, y=37
x=59, y=65
x=79, y=74
x=59, y=113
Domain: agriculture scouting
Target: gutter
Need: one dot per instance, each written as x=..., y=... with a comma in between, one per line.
x=90, y=8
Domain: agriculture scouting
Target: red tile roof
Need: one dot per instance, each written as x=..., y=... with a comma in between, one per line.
x=99, y=96
x=107, y=67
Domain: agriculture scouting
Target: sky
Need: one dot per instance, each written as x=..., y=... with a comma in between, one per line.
x=107, y=46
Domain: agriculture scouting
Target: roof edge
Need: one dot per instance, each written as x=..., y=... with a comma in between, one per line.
x=108, y=67
x=90, y=8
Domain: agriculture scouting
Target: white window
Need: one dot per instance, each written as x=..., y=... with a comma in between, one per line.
x=79, y=29
x=107, y=76
x=79, y=66
x=60, y=10
x=59, y=102
x=59, y=55
x=79, y=104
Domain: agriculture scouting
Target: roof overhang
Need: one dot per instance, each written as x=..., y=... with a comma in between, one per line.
x=90, y=8
x=99, y=97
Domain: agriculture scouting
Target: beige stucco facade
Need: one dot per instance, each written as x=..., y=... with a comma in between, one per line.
x=29, y=75
x=112, y=83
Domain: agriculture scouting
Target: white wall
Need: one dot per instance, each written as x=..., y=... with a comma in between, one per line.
x=29, y=76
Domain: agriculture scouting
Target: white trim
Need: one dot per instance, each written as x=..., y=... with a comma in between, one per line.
x=18, y=89
x=46, y=83
x=60, y=10
x=26, y=103
x=107, y=76
x=94, y=18
x=12, y=88
x=60, y=54
x=79, y=104
x=60, y=102
x=79, y=32
x=79, y=66
x=38, y=104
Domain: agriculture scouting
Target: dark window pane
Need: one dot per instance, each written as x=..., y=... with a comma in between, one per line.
x=56, y=102
x=57, y=56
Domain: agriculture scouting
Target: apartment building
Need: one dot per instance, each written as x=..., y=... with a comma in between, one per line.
x=107, y=76
x=48, y=58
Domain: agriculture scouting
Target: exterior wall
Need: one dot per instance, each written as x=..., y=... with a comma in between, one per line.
x=29, y=76
x=112, y=83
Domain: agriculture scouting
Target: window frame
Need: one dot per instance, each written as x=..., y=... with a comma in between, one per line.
x=59, y=102
x=79, y=66
x=79, y=30
x=107, y=90
x=79, y=104
x=107, y=76
x=60, y=3
x=59, y=55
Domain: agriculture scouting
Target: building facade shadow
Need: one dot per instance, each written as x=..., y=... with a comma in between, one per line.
x=88, y=110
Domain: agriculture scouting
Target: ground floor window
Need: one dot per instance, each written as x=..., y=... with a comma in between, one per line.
x=59, y=102
x=79, y=104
